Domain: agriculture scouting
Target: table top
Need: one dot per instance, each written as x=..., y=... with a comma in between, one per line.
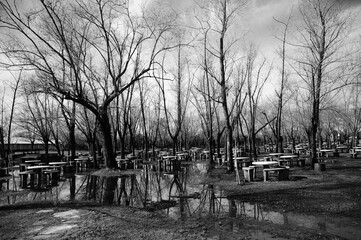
x=241, y=158
x=288, y=156
x=30, y=157
x=58, y=163
x=81, y=159
x=262, y=163
x=182, y=154
x=275, y=154
x=169, y=157
x=122, y=159
x=38, y=167
x=136, y=160
x=33, y=161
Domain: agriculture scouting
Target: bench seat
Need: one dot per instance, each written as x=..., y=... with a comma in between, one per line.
x=282, y=173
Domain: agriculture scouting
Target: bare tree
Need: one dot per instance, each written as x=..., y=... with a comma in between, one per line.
x=98, y=41
x=174, y=122
x=2, y=126
x=256, y=79
x=323, y=33
x=16, y=88
x=223, y=14
x=76, y=28
x=280, y=93
x=39, y=118
x=351, y=112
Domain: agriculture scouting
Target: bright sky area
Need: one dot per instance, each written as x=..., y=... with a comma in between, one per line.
x=258, y=17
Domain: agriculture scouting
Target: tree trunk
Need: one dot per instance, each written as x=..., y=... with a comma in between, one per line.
x=106, y=133
x=72, y=141
x=110, y=185
x=2, y=143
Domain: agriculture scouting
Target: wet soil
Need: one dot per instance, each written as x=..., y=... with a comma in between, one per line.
x=325, y=205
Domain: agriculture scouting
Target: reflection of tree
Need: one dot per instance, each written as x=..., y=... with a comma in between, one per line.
x=208, y=199
x=129, y=192
x=232, y=208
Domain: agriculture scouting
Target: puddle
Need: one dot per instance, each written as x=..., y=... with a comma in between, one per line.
x=57, y=229
x=180, y=195
x=71, y=214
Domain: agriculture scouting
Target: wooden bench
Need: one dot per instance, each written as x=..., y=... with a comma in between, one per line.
x=282, y=173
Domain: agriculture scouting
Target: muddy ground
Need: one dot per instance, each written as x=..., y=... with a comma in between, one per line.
x=312, y=205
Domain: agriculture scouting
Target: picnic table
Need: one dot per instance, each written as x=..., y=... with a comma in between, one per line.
x=287, y=160
x=182, y=156
x=264, y=164
x=342, y=148
x=243, y=161
x=38, y=170
x=168, y=162
x=328, y=152
x=300, y=150
x=33, y=162
x=81, y=163
x=275, y=155
x=59, y=165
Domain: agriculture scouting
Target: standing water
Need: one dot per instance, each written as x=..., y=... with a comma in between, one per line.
x=178, y=194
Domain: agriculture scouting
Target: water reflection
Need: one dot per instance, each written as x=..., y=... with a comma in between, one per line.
x=341, y=227
x=178, y=194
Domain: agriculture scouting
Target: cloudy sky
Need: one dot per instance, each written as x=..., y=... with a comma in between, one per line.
x=258, y=16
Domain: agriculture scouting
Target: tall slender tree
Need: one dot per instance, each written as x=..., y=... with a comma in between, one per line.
x=323, y=32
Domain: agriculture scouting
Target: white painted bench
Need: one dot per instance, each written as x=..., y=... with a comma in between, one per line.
x=282, y=173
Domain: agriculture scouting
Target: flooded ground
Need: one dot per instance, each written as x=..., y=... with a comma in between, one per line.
x=309, y=206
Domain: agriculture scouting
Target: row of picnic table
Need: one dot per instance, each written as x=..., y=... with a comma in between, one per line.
x=276, y=162
x=36, y=174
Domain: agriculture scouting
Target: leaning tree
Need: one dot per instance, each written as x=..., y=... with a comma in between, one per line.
x=106, y=48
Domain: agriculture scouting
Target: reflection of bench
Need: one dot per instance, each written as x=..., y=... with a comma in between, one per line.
x=282, y=173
